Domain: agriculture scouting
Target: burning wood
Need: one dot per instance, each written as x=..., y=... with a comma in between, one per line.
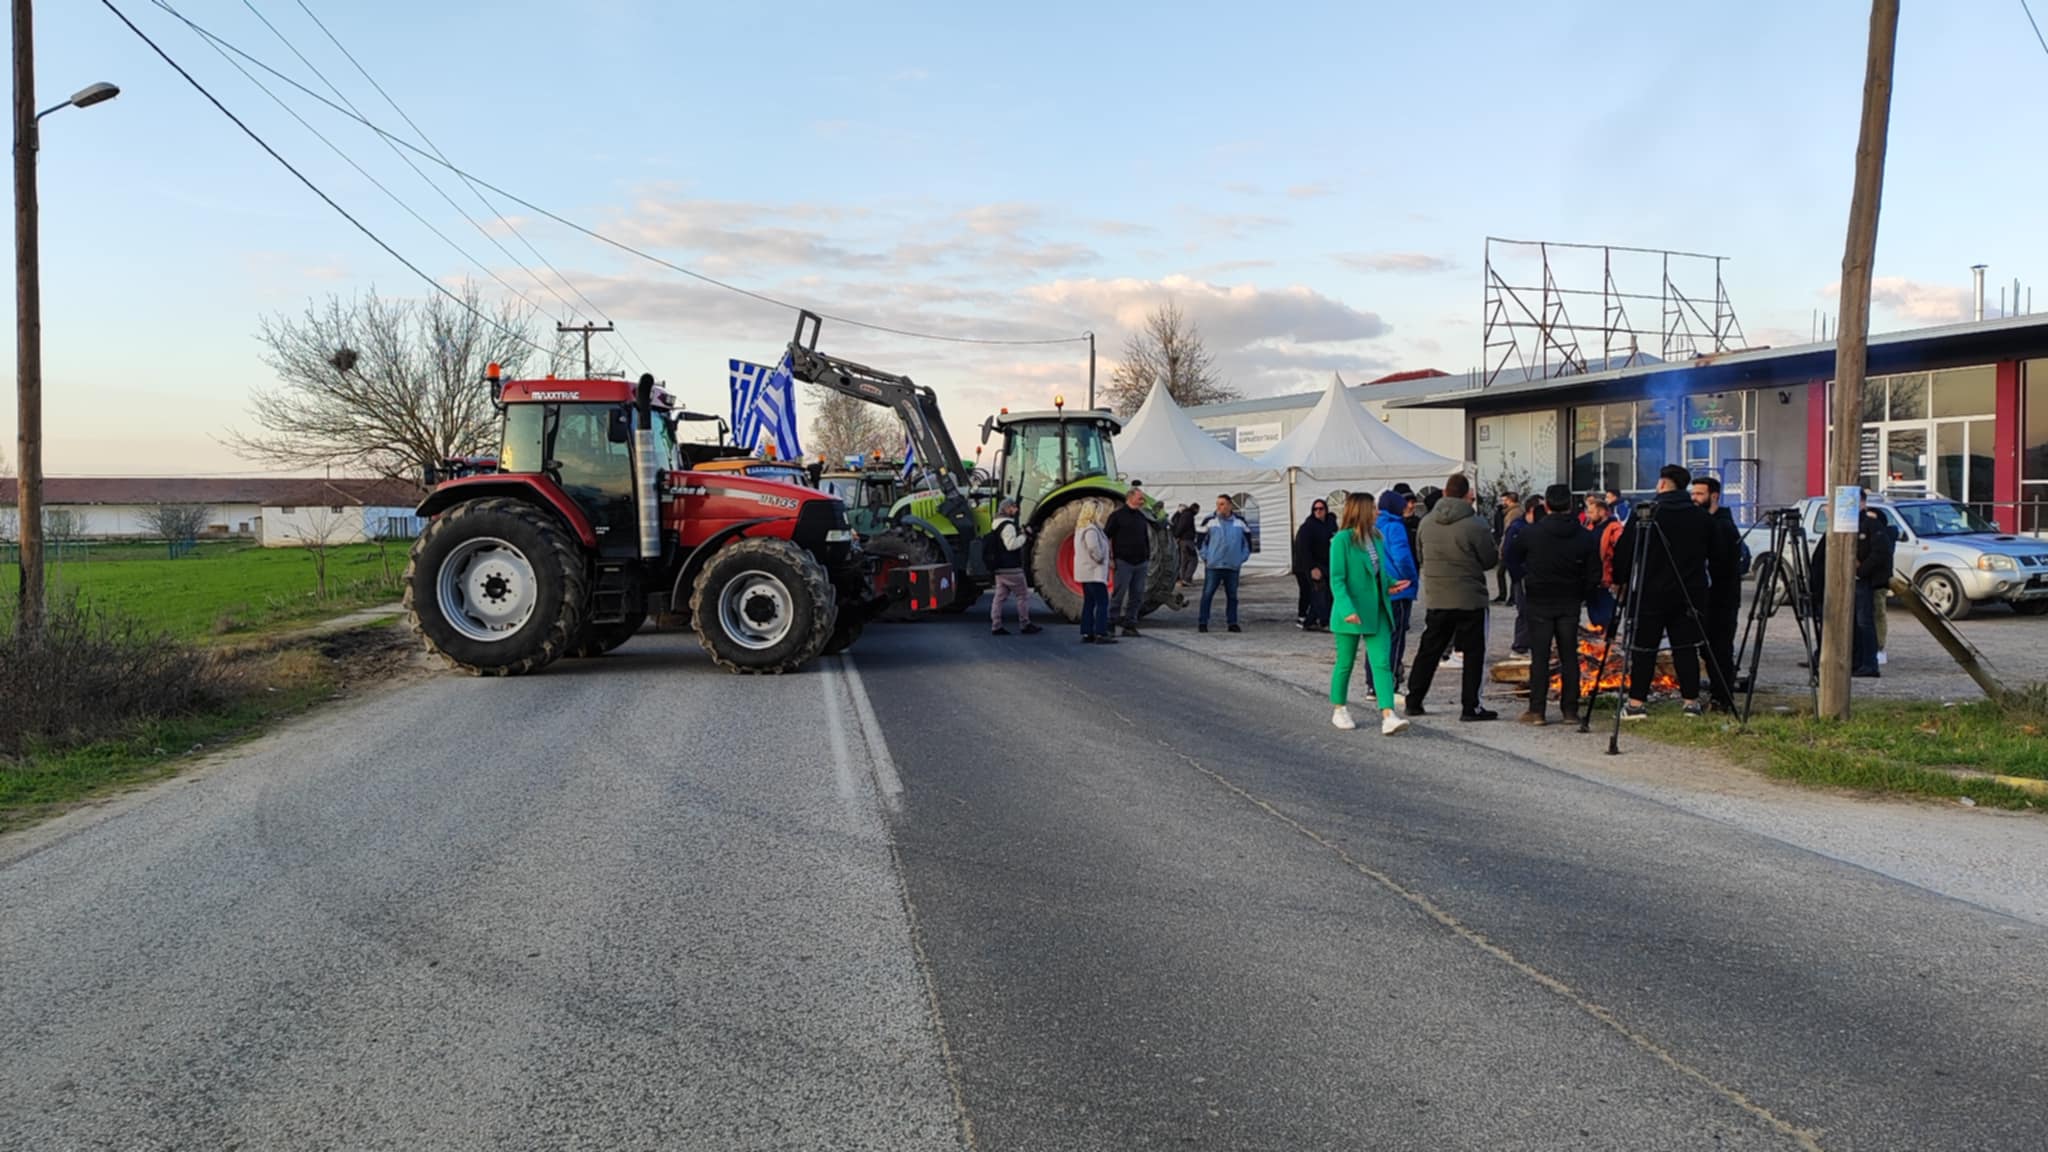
x=1592, y=641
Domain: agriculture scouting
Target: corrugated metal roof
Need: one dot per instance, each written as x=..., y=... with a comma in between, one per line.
x=262, y=491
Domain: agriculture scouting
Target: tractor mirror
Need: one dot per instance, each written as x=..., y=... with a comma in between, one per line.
x=988, y=428
x=620, y=428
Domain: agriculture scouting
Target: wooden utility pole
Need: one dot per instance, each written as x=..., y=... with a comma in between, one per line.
x=587, y=330
x=28, y=330
x=1852, y=328
x=1091, y=371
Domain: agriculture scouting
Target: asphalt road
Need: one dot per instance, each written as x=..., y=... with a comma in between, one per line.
x=1005, y=894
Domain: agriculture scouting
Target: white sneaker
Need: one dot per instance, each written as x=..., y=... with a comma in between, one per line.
x=1457, y=660
x=1341, y=718
x=1881, y=659
x=1391, y=724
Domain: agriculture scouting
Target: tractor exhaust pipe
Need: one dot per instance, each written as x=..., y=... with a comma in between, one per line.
x=647, y=470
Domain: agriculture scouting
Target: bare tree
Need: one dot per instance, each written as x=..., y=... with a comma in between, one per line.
x=60, y=525
x=1169, y=348
x=320, y=530
x=173, y=523
x=391, y=386
x=843, y=426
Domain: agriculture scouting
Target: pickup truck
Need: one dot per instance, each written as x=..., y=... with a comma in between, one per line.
x=1957, y=558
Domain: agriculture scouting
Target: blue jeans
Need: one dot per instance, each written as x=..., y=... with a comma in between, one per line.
x=1403, y=609
x=1227, y=577
x=1095, y=608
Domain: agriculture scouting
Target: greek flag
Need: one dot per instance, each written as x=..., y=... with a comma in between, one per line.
x=764, y=409
x=909, y=457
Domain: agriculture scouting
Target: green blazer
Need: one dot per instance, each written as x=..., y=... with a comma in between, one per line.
x=1356, y=580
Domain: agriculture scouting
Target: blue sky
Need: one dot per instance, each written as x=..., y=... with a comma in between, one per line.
x=1311, y=182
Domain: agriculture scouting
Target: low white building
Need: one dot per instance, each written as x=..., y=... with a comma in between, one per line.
x=272, y=511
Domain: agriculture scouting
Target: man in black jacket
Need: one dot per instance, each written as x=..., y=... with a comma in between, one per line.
x=1673, y=588
x=1130, y=544
x=1724, y=590
x=1560, y=564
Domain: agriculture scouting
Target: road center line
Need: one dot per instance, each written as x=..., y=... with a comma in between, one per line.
x=887, y=783
x=1807, y=1139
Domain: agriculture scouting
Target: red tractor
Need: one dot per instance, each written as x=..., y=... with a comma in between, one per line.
x=592, y=523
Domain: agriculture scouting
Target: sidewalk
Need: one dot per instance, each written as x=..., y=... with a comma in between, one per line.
x=1964, y=853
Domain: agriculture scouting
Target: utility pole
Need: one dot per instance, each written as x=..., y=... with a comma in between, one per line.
x=1091, y=371
x=1851, y=330
x=586, y=330
x=28, y=331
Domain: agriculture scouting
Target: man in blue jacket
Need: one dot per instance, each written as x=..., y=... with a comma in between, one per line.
x=1400, y=561
x=1226, y=545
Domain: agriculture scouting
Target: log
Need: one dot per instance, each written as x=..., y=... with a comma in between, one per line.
x=1949, y=637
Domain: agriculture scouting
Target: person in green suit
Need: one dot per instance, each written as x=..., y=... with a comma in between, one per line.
x=1360, y=586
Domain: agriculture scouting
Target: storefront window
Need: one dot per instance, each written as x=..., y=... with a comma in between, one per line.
x=1653, y=446
x=1964, y=392
x=1909, y=397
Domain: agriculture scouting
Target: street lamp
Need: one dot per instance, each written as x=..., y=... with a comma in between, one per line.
x=28, y=314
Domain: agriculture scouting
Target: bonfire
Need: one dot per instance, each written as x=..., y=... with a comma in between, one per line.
x=1592, y=643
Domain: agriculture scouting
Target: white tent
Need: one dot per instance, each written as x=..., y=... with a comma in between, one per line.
x=1179, y=463
x=1339, y=445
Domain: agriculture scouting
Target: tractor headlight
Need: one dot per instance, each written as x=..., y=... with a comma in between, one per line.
x=839, y=536
x=1994, y=562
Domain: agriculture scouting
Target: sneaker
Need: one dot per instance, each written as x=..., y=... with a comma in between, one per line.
x=1695, y=709
x=999, y=631
x=1534, y=720
x=1105, y=639
x=1341, y=718
x=1235, y=628
x=1477, y=715
x=1031, y=629
x=1304, y=625
x=1130, y=632
x=1455, y=661
x=1087, y=639
x=1201, y=627
x=1882, y=659
x=1634, y=711
x=1415, y=707
x=1391, y=724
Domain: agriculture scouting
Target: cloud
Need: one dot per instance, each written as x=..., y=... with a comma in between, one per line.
x=1241, y=188
x=1310, y=191
x=1393, y=262
x=1229, y=315
x=1226, y=267
x=1121, y=228
x=1914, y=299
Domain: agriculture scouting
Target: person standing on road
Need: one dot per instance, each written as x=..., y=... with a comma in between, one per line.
x=1226, y=545
x=1605, y=530
x=1511, y=563
x=1130, y=540
x=1724, y=592
x=1361, y=582
x=1091, y=571
x=1186, y=554
x=1876, y=551
x=1673, y=587
x=1505, y=513
x=1311, y=578
x=1004, y=551
x=1399, y=550
x=1561, y=568
x=1457, y=553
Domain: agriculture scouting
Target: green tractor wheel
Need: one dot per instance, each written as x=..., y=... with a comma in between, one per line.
x=1159, y=578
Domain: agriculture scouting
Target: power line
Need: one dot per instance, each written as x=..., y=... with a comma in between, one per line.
x=503, y=219
x=315, y=188
x=222, y=44
x=2036, y=24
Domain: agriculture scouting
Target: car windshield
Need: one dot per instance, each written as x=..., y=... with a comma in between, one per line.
x=783, y=475
x=1943, y=519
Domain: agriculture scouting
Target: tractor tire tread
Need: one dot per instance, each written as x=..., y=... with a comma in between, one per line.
x=560, y=548
x=824, y=605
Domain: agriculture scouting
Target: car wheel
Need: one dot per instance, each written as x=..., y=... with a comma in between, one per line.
x=1944, y=593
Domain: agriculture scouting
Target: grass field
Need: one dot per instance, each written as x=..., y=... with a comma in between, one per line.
x=218, y=589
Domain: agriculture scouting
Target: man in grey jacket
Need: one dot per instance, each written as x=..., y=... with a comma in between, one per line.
x=1457, y=553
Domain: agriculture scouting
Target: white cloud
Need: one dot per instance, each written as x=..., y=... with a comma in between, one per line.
x=1310, y=191
x=1393, y=262
x=1914, y=300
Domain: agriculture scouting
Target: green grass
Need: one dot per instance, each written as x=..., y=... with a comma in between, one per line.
x=218, y=589
x=43, y=783
x=1887, y=746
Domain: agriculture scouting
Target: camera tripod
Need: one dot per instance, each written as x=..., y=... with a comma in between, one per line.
x=1787, y=578
x=1628, y=620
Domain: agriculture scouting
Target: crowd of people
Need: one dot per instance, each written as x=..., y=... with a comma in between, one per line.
x=1670, y=572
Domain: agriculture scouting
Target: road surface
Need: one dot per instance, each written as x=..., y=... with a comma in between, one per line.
x=970, y=892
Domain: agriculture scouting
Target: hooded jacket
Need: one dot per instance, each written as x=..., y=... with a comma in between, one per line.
x=1312, y=545
x=1400, y=558
x=1457, y=553
x=1560, y=560
x=1676, y=564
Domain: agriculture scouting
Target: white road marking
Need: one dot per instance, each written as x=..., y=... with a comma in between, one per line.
x=835, y=734
x=887, y=783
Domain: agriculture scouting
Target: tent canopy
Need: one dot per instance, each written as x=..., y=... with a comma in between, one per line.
x=1340, y=440
x=1162, y=441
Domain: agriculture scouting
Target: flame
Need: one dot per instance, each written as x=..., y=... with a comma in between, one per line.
x=1592, y=645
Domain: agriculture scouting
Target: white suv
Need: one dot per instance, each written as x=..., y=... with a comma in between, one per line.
x=1958, y=559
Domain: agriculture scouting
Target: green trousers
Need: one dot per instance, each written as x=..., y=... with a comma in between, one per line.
x=1379, y=649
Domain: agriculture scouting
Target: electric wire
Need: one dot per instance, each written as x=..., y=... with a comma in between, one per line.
x=344, y=213
x=502, y=218
x=221, y=44
x=2036, y=25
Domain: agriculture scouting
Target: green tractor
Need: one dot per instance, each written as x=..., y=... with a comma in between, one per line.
x=869, y=493
x=1052, y=463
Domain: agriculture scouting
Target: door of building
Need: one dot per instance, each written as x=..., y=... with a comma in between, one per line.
x=1726, y=457
x=1904, y=451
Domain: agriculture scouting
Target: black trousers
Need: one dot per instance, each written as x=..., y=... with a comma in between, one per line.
x=1441, y=628
x=1553, y=626
x=1657, y=621
x=1723, y=621
x=1500, y=582
x=1863, y=645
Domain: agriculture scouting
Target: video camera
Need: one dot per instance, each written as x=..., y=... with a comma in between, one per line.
x=1786, y=515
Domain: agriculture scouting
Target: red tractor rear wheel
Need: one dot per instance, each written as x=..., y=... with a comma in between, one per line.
x=496, y=588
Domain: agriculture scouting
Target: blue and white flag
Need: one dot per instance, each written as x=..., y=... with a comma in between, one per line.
x=909, y=457
x=764, y=409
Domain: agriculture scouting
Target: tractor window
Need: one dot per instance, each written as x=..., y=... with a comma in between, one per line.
x=1088, y=452
x=1031, y=463
x=664, y=443
x=521, y=450
x=592, y=470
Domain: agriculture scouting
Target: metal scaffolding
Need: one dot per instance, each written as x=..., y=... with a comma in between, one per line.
x=1528, y=327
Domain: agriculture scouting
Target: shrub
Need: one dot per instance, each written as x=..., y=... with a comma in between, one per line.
x=93, y=675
